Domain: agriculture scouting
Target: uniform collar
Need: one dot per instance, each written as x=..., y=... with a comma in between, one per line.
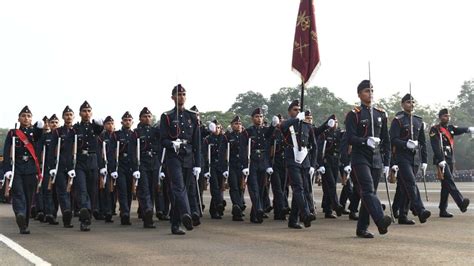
x=363, y=106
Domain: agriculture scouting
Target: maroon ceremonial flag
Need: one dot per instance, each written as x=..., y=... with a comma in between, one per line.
x=305, y=47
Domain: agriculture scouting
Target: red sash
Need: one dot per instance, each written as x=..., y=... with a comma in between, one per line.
x=448, y=136
x=31, y=149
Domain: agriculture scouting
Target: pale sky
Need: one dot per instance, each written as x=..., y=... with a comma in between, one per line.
x=123, y=55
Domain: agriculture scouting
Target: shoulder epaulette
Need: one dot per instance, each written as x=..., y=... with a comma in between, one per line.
x=417, y=116
x=191, y=111
x=356, y=109
x=400, y=116
x=168, y=112
x=380, y=109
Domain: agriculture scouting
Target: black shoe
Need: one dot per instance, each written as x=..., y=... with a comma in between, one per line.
x=405, y=220
x=25, y=231
x=95, y=214
x=237, y=218
x=464, y=205
x=220, y=208
x=159, y=215
x=236, y=211
x=353, y=216
x=268, y=209
x=445, y=214
x=177, y=231
x=76, y=213
x=364, y=234
x=295, y=226
x=67, y=216
x=196, y=219
x=286, y=211
x=265, y=216
x=244, y=207
x=187, y=222
x=339, y=210
x=383, y=207
x=85, y=226
x=279, y=217
x=40, y=217
x=84, y=215
x=383, y=224
x=51, y=220
x=21, y=222
x=345, y=212
x=330, y=216
x=33, y=212
x=216, y=216
x=108, y=218
x=259, y=216
x=125, y=219
x=148, y=219
x=254, y=220
x=424, y=216
x=203, y=207
x=395, y=214
x=308, y=219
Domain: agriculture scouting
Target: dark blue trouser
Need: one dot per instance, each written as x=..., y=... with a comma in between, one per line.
x=162, y=198
x=235, y=191
x=60, y=184
x=105, y=197
x=330, y=201
x=86, y=187
x=23, y=188
x=278, y=182
x=215, y=182
x=145, y=190
x=44, y=199
x=299, y=204
x=255, y=182
x=410, y=195
x=308, y=189
x=124, y=187
x=366, y=181
x=349, y=193
x=176, y=176
x=192, y=190
x=448, y=187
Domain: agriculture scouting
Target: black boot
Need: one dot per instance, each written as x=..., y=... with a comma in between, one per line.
x=67, y=216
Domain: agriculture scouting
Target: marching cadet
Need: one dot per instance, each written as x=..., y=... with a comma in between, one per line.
x=146, y=158
x=236, y=166
x=21, y=166
x=87, y=172
x=60, y=161
x=279, y=178
x=301, y=162
x=408, y=138
x=210, y=147
x=259, y=168
x=366, y=158
x=442, y=143
x=53, y=125
x=328, y=156
x=106, y=153
x=121, y=169
x=181, y=136
x=346, y=180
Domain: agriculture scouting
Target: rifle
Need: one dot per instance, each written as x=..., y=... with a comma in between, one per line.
x=58, y=152
x=160, y=180
x=440, y=170
x=317, y=177
x=249, y=150
x=135, y=181
x=103, y=180
x=74, y=161
x=224, y=182
x=43, y=158
x=117, y=155
x=9, y=182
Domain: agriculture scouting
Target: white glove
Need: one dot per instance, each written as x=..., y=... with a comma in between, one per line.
x=8, y=175
x=423, y=167
x=52, y=172
x=162, y=175
x=301, y=116
x=72, y=173
x=412, y=144
x=245, y=171
x=176, y=145
x=114, y=175
x=348, y=169
x=196, y=171
x=269, y=170
x=395, y=168
x=442, y=164
x=103, y=171
x=207, y=175
x=311, y=171
x=386, y=171
x=331, y=122
x=212, y=127
x=471, y=130
x=226, y=174
x=136, y=174
x=99, y=121
x=275, y=120
x=373, y=142
x=39, y=124
x=322, y=170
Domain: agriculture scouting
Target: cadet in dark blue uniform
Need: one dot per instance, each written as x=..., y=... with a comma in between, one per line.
x=259, y=163
x=237, y=164
x=181, y=136
x=65, y=169
x=213, y=170
x=105, y=197
x=330, y=140
x=23, y=177
x=443, y=158
x=150, y=150
x=123, y=172
x=347, y=189
x=301, y=162
x=366, y=158
x=87, y=173
x=408, y=138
